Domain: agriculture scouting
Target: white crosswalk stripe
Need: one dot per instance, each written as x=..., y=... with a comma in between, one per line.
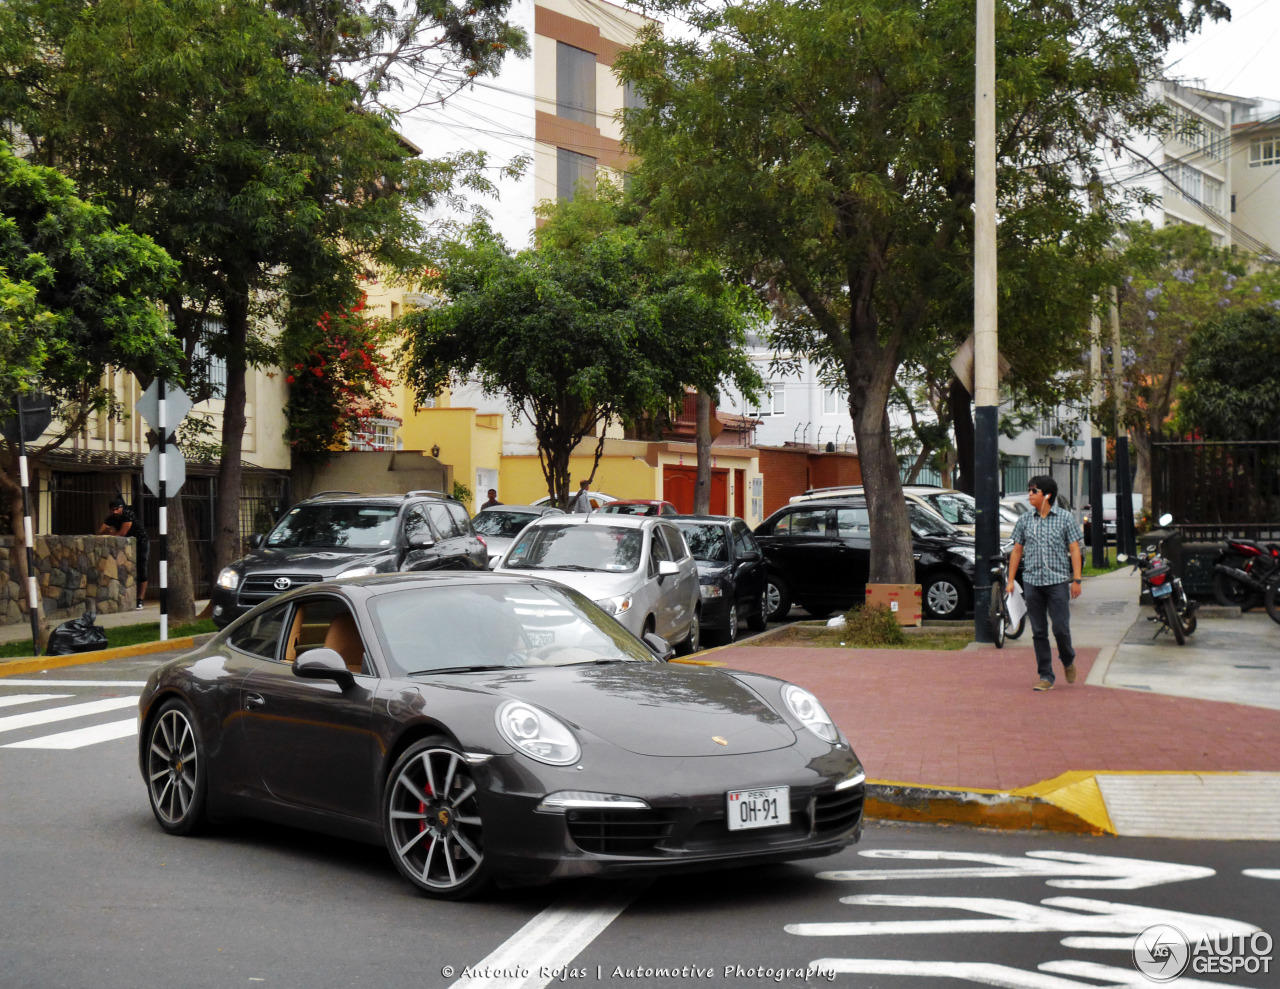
x=75, y=738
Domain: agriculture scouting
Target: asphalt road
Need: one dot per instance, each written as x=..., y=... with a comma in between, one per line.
x=94, y=895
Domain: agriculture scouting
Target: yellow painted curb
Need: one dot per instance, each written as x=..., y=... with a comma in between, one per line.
x=16, y=667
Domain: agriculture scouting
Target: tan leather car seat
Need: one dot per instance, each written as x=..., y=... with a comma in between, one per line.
x=344, y=638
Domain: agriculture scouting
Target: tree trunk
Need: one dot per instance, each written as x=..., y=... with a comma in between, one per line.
x=182, y=605
x=226, y=526
x=891, y=554
x=1140, y=442
x=702, y=492
x=961, y=404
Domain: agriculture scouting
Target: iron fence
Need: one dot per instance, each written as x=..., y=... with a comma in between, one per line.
x=1218, y=489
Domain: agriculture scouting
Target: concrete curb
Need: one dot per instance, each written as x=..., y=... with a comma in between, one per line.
x=34, y=664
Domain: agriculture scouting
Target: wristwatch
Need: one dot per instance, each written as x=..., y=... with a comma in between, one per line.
x=1076, y=581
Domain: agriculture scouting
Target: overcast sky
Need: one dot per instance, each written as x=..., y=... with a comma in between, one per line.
x=1238, y=57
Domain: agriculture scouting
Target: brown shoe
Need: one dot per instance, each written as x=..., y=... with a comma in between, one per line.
x=1043, y=685
x=1070, y=672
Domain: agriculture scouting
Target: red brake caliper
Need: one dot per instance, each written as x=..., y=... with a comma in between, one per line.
x=422, y=808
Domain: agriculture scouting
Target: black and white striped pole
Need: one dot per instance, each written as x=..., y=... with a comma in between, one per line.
x=163, y=427
x=28, y=532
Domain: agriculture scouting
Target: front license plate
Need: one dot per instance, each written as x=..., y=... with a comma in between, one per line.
x=767, y=808
x=1160, y=590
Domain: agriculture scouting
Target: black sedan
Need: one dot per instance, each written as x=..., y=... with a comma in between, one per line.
x=485, y=727
x=819, y=555
x=731, y=574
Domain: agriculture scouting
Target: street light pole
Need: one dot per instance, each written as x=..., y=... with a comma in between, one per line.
x=985, y=339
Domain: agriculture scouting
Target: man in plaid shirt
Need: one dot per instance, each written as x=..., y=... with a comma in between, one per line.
x=1051, y=540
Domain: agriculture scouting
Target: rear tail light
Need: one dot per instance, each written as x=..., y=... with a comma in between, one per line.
x=1158, y=578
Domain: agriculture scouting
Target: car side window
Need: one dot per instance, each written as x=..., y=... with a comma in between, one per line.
x=461, y=520
x=852, y=522
x=441, y=519
x=327, y=623
x=806, y=522
x=658, y=551
x=675, y=542
x=261, y=635
x=744, y=542
x=415, y=523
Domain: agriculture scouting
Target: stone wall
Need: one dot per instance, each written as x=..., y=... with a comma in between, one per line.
x=73, y=573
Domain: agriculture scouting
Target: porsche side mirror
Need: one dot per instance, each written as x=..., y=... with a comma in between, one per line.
x=324, y=664
x=660, y=646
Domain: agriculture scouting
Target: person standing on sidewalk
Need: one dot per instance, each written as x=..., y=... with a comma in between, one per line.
x=1051, y=540
x=123, y=522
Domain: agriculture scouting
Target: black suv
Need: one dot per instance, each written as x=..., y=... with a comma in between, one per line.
x=345, y=534
x=819, y=557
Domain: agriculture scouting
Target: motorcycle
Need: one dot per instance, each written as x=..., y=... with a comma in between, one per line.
x=1174, y=611
x=1002, y=624
x=1242, y=572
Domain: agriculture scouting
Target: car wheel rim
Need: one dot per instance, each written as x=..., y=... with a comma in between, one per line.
x=435, y=820
x=733, y=622
x=943, y=598
x=772, y=598
x=172, y=766
x=693, y=633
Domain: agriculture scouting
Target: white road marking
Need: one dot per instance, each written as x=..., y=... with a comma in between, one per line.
x=1008, y=977
x=15, y=699
x=1109, y=872
x=79, y=737
x=1065, y=914
x=6, y=682
x=66, y=712
x=530, y=958
x=1262, y=873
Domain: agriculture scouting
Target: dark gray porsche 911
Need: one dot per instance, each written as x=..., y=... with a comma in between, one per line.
x=486, y=728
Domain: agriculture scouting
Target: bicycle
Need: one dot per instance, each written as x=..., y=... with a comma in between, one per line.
x=1001, y=624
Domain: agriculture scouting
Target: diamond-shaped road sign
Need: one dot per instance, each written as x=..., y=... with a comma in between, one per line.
x=175, y=471
x=177, y=405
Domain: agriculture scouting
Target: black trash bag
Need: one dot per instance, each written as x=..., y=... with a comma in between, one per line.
x=78, y=635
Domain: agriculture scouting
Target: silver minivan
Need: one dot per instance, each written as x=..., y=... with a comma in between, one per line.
x=637, y=568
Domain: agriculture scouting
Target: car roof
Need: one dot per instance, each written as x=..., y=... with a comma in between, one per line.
x=639, y=501
x=679, y=519
x=626, y=521
x=389, y=498
x=525, y=509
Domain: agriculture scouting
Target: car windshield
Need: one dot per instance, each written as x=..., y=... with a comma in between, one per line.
x=607, y=548
x=335, y=527
x=619, y=508
x=462, y=628
x=708, y=543
x=956, y=507
x=925, y=523
x=495, y=522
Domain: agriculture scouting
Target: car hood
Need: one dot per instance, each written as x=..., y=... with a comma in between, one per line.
x=595, y=584
x=711, y=570
x=326, y=563
x=655, y=709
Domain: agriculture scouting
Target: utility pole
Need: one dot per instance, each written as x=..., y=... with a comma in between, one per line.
x=1125, y=538
x=1097, y=450
x=985, y=338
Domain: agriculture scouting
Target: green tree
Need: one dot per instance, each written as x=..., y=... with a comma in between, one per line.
x=595, y=323
x=78, y=293
x=1178, y=284
x=1230, y=387
x=221, y=128
x=825, y=148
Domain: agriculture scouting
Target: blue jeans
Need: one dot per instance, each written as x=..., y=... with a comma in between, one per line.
x=1044, y=604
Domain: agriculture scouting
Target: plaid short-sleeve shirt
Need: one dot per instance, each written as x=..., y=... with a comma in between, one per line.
x=1045, y=542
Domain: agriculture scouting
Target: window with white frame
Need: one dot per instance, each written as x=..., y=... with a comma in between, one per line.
x=1264, y=151
x=773, y=401
x=1197, y=132
x=376, y=434
x=213, y=368
x=833, y=402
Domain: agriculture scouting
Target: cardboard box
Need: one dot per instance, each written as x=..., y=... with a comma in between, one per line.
x=902, y=599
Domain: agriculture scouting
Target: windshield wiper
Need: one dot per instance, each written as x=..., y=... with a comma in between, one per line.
x=462, y=669
x=570, y=566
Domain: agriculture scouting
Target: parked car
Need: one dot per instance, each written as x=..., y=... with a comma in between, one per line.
x=819, y=556
x=1108, y=516
x=638, y=506
x=956, y=507
x=598, y=499
x=732, y=576
x=499, y=525
x=487, y=728
x=637, y=568
x=345, y=534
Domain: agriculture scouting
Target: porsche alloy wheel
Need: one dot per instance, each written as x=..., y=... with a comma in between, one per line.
x=175, y=769
x=432, y=821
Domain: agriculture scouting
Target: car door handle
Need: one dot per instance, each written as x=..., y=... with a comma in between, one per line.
x=252, y=701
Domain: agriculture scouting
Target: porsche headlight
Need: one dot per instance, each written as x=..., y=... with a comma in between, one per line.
x=615, y=606
x=229, y=578
x=358, y=572
x=810, y=712
x=537, y=734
